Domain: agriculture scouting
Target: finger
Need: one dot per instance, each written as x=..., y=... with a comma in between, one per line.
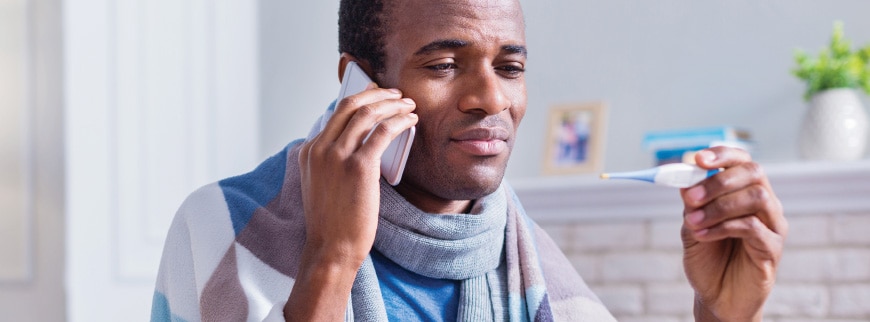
x=305, y=151
x=727, y=181
x=347, y=107
x=367, y=117
x=764, y=243
x=748, y=200
x=303, y=155
x=385, y=132
x=721, y=157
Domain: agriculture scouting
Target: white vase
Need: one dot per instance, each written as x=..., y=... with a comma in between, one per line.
x=835, y=127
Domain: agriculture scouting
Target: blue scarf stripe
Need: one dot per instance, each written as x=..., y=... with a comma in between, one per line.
x=518, y=309
x=160, y=309
x=247, y=192
x=536, y=306
x=534, y=297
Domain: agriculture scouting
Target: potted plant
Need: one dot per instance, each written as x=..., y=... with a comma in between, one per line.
x=836, y=125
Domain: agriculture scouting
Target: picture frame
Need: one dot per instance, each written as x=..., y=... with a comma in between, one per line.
x=575, y=138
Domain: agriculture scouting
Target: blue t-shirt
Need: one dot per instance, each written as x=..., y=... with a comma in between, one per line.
x=409, y=296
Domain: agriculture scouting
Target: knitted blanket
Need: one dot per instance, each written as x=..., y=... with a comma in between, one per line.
x=234, y=246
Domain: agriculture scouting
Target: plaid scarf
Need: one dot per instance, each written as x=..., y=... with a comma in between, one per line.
x=233, y=251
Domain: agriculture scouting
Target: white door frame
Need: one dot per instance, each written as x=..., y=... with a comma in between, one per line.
x=161, y=98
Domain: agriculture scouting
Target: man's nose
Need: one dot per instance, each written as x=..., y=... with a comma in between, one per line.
x=484, y=94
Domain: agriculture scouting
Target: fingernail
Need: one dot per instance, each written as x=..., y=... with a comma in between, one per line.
x=408, y=100
x=702, y=232
x=707, y=156
x=696, y=193
x=395, y=90
x=695, y=217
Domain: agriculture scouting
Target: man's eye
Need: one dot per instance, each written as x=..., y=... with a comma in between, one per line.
x=512, y=70
x=442, y=67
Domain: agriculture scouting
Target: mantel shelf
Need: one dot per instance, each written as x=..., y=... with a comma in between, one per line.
x=803, y=188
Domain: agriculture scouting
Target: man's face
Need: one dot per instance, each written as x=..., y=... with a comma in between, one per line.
x=462, y=62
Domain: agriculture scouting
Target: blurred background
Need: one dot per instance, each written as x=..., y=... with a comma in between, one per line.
x=111, y=112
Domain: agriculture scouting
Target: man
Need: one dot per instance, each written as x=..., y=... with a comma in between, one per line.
x=315, y=234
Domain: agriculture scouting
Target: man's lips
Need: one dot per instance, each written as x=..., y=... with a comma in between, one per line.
x=482, y=134
x=482, y=141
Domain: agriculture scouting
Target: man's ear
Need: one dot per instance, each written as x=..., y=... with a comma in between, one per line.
x=346, y=58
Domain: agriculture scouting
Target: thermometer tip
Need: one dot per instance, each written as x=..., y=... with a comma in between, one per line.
x=605, y=176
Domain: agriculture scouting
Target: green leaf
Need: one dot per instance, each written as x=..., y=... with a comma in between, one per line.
x=836, y=66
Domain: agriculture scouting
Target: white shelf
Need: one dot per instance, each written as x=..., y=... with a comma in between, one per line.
x=803, y=188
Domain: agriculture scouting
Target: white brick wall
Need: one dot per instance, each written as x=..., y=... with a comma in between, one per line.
x=851, y=300
x=804, y=300
x=852, y=229
x=809, y=231
x=635, y=267
x=605, y=237
x=669, y=299
x=641, y=267
x=621, y=299
x=841, y=264
x=665, y=234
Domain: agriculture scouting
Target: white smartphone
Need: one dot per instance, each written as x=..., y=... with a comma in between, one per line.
x=393, y=161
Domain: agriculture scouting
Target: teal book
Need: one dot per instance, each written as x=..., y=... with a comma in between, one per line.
x=681, y=138
x=671, y=146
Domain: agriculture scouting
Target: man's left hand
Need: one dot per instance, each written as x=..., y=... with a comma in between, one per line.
x=733, y=233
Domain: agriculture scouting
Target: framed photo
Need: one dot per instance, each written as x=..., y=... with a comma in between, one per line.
x=575, y=139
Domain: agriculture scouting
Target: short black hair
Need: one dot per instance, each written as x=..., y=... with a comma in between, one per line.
x=361, y=31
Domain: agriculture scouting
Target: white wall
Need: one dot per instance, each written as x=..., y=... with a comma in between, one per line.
x=669, y=64
x=298, y=68
x=658, y=65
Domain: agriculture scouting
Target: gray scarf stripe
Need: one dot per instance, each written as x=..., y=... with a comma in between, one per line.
x=445, y=246
x=367, y=303
x=466, y=247
x=475, y=299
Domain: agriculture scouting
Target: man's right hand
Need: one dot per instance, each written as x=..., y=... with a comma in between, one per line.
x=341, y=198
